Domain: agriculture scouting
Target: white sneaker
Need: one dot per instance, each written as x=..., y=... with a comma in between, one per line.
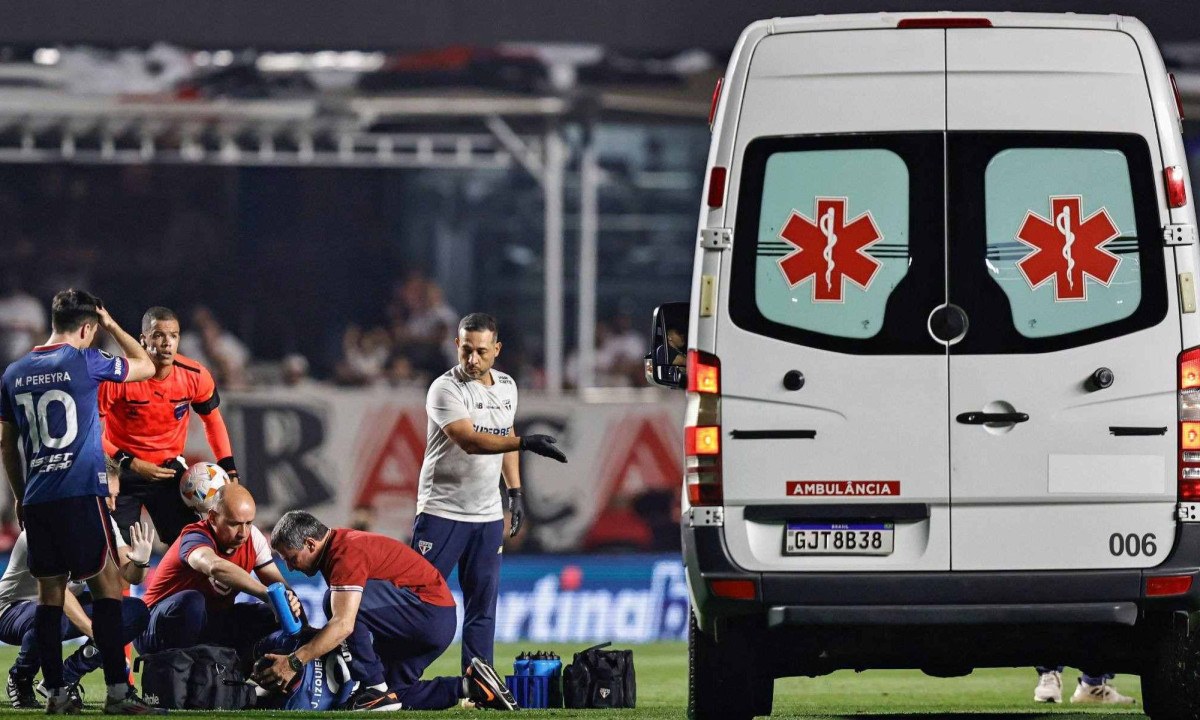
x=1102, y=693
x=1049, y=687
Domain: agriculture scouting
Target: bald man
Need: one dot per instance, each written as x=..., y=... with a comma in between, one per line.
x=191, y=597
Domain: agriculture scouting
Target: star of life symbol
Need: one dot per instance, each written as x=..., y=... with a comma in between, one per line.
x=1068, y=248
x=830, y=250
x=424, y=546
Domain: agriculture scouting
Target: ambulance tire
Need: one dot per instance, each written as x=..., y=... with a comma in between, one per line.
x=1171, y=671
x=723, y=683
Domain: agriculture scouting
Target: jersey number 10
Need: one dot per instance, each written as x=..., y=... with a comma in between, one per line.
x=39, y=424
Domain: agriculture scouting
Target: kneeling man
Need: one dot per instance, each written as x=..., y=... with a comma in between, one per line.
x=18, y=603
x=395, y=613
x=191, y=596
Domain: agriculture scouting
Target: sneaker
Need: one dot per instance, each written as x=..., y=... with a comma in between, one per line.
x=1049, y=687
x=20, y=692
x=66, y=701
x=1102, y=693
x=131, y=704
x=368, y=698
x=485, y=689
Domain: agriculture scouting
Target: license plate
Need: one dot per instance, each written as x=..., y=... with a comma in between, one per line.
x=839, y=538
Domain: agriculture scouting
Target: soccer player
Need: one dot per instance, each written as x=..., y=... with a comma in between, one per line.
x=146, y=424
x=191, y=596
x=471, y=442
x=48, y=405
x=18, y=596
x=395, y=613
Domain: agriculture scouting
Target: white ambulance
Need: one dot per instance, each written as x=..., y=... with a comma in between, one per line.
x=942, y=358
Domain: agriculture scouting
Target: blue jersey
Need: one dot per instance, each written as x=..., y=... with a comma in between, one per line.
x=50, y=394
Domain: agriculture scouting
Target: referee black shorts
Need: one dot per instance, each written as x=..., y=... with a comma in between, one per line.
x=70, y=537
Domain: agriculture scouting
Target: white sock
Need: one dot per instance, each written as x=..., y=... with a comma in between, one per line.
x=118, y=691
x=381, y=687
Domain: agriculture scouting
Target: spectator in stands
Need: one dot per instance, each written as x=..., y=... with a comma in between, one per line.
x=364, y=354
x=22, y=320
x=401, y=374
x=216, y=348
x=294, y=371
x=619, y=355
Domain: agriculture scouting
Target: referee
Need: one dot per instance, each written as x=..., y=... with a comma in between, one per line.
x=471, y=442
x=146, y=428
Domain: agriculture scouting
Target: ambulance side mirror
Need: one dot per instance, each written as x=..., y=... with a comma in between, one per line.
x=666, y=363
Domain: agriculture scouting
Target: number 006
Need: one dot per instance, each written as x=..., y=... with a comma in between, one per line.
x=1132, y=544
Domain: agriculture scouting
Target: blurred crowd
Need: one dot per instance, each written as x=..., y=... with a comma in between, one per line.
x=413, y=345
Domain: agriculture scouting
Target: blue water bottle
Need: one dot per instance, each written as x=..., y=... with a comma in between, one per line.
x=521, y=664
x=277, y=595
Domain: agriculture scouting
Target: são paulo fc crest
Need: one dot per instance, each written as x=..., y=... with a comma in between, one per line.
x=424, y=546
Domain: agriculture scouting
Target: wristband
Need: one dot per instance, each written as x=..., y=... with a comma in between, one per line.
x=226, y=464
x=142, y=565
x=294, y=663
x=124, y=459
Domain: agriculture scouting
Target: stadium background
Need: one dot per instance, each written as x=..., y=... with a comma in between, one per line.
x=321, y=196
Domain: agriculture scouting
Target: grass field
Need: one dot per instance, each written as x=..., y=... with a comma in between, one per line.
x=662, y=692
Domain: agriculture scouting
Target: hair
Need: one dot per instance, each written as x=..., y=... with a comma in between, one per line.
x=295, y=527
x=71, y=309
x=478, y=322
x=157, y=312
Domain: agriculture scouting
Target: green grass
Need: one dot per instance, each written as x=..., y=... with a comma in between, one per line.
x=662, y=691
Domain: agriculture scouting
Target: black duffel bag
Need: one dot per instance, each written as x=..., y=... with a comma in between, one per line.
x=599, y=678
x=204, y=677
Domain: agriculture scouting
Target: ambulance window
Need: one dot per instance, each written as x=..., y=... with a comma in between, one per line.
x=1062, y=239
x=832, y=239
x=827, y=249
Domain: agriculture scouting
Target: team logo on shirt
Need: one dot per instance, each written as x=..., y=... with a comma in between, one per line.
x=181, y=410
x=424, y=546
x=508, y=404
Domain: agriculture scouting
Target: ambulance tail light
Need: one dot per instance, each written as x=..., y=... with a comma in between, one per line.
x=716, y=186
x=1174, y=89
x=1189, y=425
x=947, y=22
x=1176, y=187
x=702, y=430
x=716, y=99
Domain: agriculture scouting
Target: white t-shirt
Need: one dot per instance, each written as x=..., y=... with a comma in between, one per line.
x=455, y=485
x=18, y=584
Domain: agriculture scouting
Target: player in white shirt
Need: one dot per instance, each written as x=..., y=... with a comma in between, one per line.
x=471, y=444
x=18, y=600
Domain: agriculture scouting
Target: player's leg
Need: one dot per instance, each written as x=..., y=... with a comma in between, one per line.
x=48, y=530
x=129, y=503
x=16, y=628
x=365, y=666
x=176, y=621
x=167, y=510
x=479, y=575
x=134, y=618
x=440, y=541
x=94, y=530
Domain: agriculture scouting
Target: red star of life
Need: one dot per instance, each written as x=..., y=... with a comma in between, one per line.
x=830, y=250
x=1068, y=248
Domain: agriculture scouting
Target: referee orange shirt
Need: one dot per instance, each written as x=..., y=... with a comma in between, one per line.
x=149, y=419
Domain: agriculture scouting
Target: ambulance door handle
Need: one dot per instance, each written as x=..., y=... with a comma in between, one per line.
x=982, y=418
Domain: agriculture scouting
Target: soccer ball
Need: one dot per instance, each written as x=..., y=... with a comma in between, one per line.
x=200, y=484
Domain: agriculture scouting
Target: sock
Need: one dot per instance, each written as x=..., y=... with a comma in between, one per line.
x=106, y=627
x=381, y=687
x=118, y=691
x=47, y=624
x=463, y=690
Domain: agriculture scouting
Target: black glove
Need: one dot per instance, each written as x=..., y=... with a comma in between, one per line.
x=230, y=469
x=516, y=508
x=543, y=445
x=178, y=464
